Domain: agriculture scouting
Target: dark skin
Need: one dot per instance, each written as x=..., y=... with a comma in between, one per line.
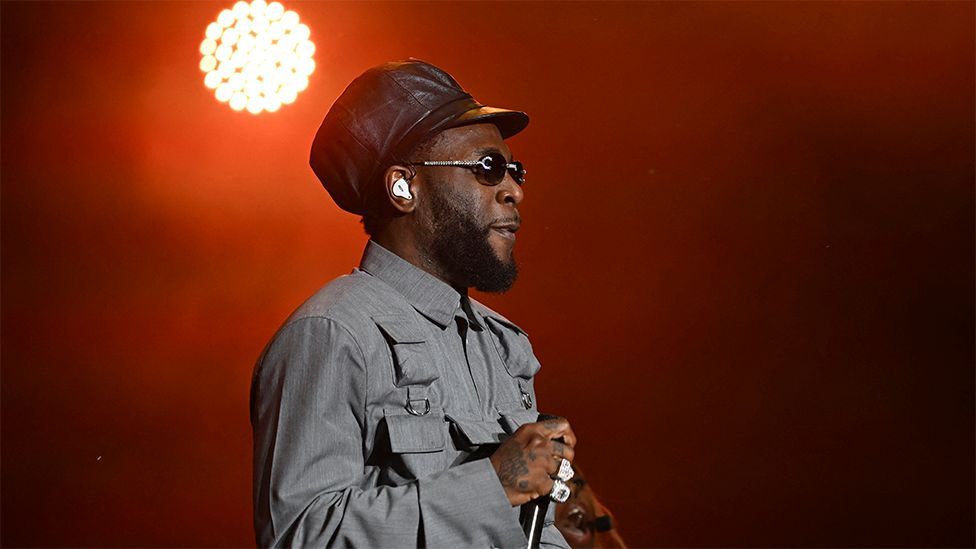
x=407, y=234
x=527, y=462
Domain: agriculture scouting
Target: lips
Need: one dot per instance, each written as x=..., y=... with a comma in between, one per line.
x=506, y=230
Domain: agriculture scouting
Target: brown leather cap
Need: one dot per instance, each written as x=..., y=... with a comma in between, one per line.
x=382, y=116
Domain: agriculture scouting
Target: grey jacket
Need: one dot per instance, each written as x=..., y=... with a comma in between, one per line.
x=374, y=409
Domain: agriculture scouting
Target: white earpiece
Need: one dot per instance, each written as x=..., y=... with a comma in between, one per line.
x=401, y=189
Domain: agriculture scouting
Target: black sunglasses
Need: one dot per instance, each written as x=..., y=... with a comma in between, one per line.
x=490, y=169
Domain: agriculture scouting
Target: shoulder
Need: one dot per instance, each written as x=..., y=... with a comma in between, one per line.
x=352, y=301
x=340, y=313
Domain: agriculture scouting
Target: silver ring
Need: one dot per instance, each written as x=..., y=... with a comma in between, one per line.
x=560, y=492
x=565, y=471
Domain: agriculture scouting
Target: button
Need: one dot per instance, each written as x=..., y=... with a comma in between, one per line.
x=526, y=400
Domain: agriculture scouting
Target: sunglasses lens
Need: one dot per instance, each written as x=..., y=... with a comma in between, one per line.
x=518, y=172
x=492, y=169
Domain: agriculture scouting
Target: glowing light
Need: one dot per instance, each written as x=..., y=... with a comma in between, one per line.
x=238, y=101
x=208, y=63
x=226, y=18
x=257, y=56
x=214, y=31
x=305, y=49
x=224, y=70
x=223, y=52
x=243, y=26
x=212, y=80
x=208, y=46
x=246, y=41
x=224, y=93
x=275, y=11
x=236, y=82
x=289, y=19
x=239, y=58
x=255, y=104
x=241, y=9
x=258, y=7
x=230, y=36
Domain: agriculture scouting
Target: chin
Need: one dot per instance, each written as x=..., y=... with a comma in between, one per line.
x=505, y=254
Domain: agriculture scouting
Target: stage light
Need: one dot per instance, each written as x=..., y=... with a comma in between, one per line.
x=257, y=56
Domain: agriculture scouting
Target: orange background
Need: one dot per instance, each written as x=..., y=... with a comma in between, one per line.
x=747, y=259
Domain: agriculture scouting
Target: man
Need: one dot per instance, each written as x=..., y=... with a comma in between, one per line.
x=391, y=410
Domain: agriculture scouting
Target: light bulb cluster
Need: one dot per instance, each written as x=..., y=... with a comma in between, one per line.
x=257, y=56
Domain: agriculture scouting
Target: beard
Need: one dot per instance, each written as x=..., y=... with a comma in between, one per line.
x=460, y=247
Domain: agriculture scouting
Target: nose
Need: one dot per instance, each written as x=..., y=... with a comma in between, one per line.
x=509, y=192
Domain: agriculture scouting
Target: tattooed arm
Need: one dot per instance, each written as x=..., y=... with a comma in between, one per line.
x=527, y=462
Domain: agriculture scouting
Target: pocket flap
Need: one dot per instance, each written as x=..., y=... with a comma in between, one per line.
x=415, y=434
x=477, y=431
x=513, y=348
x=513, y=418
x=400, y=329
x=412, y=359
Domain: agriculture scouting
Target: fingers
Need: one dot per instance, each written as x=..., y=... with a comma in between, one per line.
x=559, y=428
x=554, y=435
x=546, y=486
x=527, y=462
x=560, y=450
x=554, y=464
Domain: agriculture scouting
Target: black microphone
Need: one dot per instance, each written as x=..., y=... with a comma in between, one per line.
x=532, y=515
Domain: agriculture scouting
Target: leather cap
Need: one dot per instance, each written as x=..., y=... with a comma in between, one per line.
x=382, y=115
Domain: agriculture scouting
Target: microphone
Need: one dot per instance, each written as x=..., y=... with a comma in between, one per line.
x=532, y=515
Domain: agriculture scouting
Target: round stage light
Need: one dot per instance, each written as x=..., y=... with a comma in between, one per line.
x=257, y=56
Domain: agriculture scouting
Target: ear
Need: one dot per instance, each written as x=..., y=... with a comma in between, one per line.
x=403, y=202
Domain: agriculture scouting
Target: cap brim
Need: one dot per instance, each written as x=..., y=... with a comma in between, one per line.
x=509, y=122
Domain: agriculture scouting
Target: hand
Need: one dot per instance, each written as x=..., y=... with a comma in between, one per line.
x=527, y=462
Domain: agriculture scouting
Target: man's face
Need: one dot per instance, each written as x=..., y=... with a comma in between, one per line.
x=468, y=227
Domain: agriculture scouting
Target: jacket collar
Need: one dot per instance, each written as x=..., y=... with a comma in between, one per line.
x=429, y=295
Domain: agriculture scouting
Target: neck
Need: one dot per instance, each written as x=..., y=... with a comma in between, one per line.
x=405, y=245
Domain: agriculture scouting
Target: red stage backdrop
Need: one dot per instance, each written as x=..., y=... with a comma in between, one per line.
x=747, y=257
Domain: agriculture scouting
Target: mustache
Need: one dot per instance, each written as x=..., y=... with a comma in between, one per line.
x=517, y=219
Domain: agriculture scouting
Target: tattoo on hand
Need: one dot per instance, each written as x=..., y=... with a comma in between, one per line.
x=512, y=467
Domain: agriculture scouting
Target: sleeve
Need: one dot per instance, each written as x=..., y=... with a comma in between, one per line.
x=308, y=400
x=552, y=537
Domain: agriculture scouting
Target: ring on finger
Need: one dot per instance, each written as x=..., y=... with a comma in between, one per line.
x=565, y=470
x=560, y=492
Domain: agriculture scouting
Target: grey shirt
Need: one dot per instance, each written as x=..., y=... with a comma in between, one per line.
x=374, y=409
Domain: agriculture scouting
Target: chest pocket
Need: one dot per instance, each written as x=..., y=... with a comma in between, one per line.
x=514, y=349
x=416, y=443
x=414, y=369
x=411, y=353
